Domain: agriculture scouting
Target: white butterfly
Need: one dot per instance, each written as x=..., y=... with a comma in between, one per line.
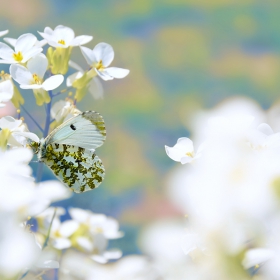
x=69, y=151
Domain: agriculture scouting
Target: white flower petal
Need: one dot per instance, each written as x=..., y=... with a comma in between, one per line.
x=53, y=82
x=257, y=256
x=29, y=135
x=6, y=52
x=174, y=154
x=67, y=228
x=25, y=42
x=53, y=190
x=104, y=75
x=99, y=259
x=85, y=243
x=265, y=129
x=2, y=33
x=88, y=55
x=21, y=74
x=70, y=79
x=48, y=30
x=96, y=88
x=116, y=72
x=6, y=90
x=81, y=40
x=112, y=254
x=61, y=243
x=10, y=41
x=38, y=65
x=79, y=215
x=50, y=39
x=104, y=52
x=32, y=86
x=64, y=33
x=30, y=53
x=9, y=122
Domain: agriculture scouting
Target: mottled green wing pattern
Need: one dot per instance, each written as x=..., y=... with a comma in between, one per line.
x=80, y=169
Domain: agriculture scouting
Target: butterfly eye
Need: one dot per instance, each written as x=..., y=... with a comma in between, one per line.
x=73, y=127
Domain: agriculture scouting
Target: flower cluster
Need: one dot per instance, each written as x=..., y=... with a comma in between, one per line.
x=33, y=236
x=230, y=194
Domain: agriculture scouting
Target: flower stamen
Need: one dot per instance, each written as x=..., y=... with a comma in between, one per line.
x=18, y=56
x=99, y=66
x=36, y=79
x=62, y=42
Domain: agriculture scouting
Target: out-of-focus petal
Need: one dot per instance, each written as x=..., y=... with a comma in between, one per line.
x=2, y=33
x=9, y=122
x=96, y=88
x=6, y=52
x=10, y=41
x=30, y=53
x=88, y=55
x=53, y=82
x=70, y=79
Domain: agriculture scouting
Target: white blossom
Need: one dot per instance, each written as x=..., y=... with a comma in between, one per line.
x=63, y=37
x=24, y=49
x=100, y=58
x=6, y=91
x=32, y=76
x=183, y=151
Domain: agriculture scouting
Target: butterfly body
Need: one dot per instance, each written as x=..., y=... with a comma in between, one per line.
x=69, y=151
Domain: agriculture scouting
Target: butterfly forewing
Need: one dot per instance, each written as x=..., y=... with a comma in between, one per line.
x=80, y=169
x=86, y=130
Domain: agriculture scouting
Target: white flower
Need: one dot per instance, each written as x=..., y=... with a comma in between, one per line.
x=263, y=137
x=12, y=42
x=94, y=86
x=257, y=256
x=18, y=249
x=2, y=33
x=24, y=50
x=100, y=58
x=6, y=91
x=32, y=76
x=183, y=151
x=63, y=37
x=63, y=110
x=14, y=132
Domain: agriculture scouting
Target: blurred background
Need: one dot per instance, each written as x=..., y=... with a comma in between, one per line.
x=183, y=55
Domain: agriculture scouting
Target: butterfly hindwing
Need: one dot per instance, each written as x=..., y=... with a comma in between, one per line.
x=86, y=130
x=80, y=169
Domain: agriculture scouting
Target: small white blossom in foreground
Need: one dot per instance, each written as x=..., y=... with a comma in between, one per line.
x=2, y=33
x=32, y=76
x=24, y=50
x=6, y=91
x=183, y=151
x=14, y=133
x=100, y=58
x=64, y=37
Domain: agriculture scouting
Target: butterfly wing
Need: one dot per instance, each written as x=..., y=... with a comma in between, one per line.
x=80, y=169
x=86, y=130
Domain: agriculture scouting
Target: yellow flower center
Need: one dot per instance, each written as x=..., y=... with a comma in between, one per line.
x=62, y=42
x=36, y=79
x=18, y=56
x=190, y=154
x=99, y=66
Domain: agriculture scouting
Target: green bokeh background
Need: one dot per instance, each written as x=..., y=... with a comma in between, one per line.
x=182, y=55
